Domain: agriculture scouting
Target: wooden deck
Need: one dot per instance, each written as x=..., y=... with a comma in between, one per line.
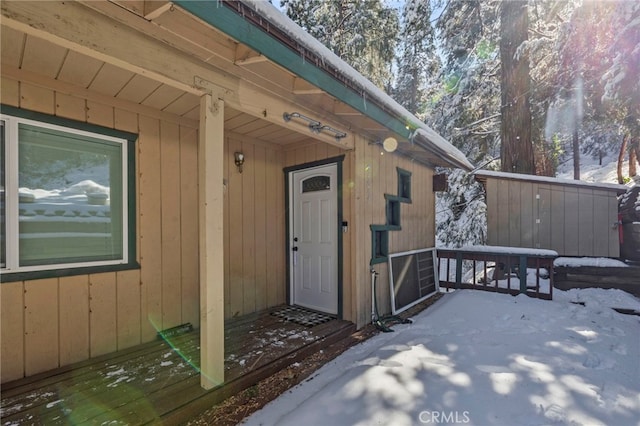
x=160, y=381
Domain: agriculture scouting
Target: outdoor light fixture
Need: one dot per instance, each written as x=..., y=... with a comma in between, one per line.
x=390, y=144
x=239, y=159
x=314, y=125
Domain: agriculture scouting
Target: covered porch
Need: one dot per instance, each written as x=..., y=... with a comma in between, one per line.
x=160, y=380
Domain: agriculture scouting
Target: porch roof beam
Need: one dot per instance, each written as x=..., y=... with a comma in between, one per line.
x=245, y=32
x=240, y=27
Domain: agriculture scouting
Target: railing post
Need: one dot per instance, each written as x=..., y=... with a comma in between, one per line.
x=523, y=273
x=458, y=269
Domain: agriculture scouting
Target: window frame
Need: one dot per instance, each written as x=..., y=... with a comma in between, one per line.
x=12, y=271
x=404, y=185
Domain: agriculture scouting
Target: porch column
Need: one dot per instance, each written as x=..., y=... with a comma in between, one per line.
x=210, y=178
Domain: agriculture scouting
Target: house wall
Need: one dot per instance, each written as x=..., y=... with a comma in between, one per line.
x=373, y=176
x=572, y=220
x=368, y=174
x=254, y=230
x=53, y=322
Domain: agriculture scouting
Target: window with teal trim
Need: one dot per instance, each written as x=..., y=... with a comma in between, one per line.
x=379, y=244
x=404, y=185
x=393, y=213
x=66, y=196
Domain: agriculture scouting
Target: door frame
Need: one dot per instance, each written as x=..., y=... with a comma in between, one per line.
x=339, y=219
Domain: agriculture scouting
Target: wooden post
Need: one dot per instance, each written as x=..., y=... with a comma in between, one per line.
x=458, y=269
x=523, y=273
x=210, y=179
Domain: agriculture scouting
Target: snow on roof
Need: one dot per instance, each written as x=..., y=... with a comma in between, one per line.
x=545, y=179
x=284, y=23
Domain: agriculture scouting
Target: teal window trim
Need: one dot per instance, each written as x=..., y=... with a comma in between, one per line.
x=393, y=212
x=404, y=185
x=379, y=244
x=131, y=216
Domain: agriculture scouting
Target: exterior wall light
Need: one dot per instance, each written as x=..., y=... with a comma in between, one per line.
x=239, y=160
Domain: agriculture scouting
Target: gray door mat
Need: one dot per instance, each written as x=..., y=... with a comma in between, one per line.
x=302, y=316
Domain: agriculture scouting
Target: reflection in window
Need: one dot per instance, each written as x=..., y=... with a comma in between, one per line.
x=71, y=200
x=316, y=183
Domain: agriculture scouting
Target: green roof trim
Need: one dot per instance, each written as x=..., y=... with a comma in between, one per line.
x=218, y=15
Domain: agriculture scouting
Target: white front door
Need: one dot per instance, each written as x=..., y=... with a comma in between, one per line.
x=314, y=238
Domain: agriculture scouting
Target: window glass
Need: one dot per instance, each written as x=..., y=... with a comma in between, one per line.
x=70, y=197
x=316, y=183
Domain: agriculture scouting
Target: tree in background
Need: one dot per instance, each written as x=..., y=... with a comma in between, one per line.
x=363, y=33
x=583, y=86
x=464, y=104
x=418, y=62
x=516, y=149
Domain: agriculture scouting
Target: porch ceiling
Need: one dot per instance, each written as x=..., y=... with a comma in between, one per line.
x=159, y=56
x=39, y=61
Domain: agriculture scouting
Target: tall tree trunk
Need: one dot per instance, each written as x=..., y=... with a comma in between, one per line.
x=516, y=150
x=576, y=154
x=623, y=148
x=633, y=156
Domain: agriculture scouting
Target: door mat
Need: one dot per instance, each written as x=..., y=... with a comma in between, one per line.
x=302, y=316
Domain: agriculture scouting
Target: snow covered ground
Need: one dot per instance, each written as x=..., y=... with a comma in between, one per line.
x=483, y=359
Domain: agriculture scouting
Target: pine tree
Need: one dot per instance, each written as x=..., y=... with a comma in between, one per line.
x=516, y=151
x=418, y=62
x=364, y=33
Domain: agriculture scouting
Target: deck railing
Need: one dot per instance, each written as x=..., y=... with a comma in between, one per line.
x=509, y=270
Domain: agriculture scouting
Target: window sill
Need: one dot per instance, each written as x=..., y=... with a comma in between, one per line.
x=7, y=277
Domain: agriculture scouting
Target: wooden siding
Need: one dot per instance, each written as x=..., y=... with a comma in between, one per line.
x=58, y=321
x=572, y=220
x=254, y=231
x=374, y=175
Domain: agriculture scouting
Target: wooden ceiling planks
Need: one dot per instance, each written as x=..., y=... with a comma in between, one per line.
x=43, y=57
x=12, y=46
x=79, y=69
x=110, y=80
x=138, y=89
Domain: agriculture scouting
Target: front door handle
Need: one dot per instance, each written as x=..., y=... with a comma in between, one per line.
x=294, y=248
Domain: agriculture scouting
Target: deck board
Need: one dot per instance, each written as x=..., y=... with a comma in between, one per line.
x=160, y=379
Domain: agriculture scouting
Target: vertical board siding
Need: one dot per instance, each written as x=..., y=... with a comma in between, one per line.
x=128, y=308
x=614, y=238
x=12, y=331
x=102, y=314
x=260, y=233
x=492, y=212
x=188, y=226
x=150, y=226
x=74, y=319
x=527, y=219
x=235, y=303
x=55, y=322
x=248, y=229
x=585, y=221
x=170, y=196
x=571, y=229
x=557, y=219
x=572, y=220
x=254, y=227
x=41, y=341
x=375, y=175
